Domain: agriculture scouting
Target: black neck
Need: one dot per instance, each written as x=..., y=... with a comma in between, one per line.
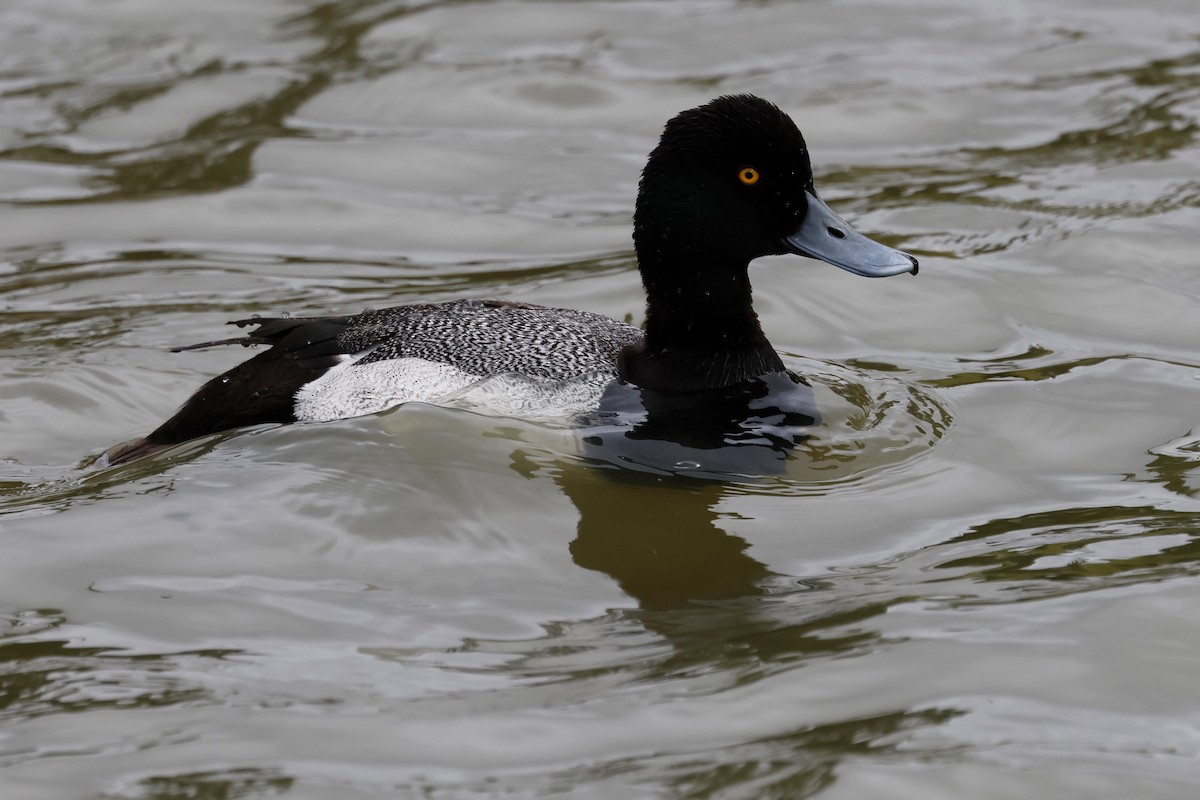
x=701, y=330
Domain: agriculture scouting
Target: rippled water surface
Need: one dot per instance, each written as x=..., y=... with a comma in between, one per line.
x=980, y=577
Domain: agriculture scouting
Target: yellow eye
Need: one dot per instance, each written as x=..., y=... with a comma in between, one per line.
x=748, y=176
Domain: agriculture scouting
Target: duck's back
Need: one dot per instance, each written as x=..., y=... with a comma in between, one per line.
x=491, y=337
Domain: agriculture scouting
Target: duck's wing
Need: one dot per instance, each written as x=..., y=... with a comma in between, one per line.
x=444, y=332
x=315, y=343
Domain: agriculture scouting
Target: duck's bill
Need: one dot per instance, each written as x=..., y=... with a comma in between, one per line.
x=827, y=237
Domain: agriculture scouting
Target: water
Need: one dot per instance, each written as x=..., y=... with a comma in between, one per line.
x=978, y=579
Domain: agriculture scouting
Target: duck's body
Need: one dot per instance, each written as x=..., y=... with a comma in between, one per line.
x=432, y=352
x=729, y=181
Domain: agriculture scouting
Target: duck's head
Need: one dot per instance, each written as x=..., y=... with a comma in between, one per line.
x=731, y=181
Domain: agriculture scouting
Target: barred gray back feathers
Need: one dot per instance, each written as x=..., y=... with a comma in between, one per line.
x=493, y=337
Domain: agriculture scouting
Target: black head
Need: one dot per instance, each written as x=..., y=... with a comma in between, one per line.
x=726, y=179
x=728, y=182
x=731, y=181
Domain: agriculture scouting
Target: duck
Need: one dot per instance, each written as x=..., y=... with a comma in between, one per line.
x=729, y=181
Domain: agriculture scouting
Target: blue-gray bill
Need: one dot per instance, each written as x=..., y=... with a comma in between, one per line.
x=827, y=237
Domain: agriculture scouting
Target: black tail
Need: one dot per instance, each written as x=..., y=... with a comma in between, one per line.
x=258, y=391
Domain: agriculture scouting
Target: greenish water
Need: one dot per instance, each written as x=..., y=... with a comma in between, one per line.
x=979, y=579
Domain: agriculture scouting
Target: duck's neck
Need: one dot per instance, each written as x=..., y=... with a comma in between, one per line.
x=701, y=330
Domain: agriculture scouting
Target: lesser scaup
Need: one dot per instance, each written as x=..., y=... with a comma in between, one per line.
x=728, y=182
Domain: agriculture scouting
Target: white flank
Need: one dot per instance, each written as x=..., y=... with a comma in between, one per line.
x=352, y=389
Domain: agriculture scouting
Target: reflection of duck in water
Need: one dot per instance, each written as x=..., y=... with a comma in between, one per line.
x=744, y=429
x=728, y=182
x=663, y=540
x=660, y=539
